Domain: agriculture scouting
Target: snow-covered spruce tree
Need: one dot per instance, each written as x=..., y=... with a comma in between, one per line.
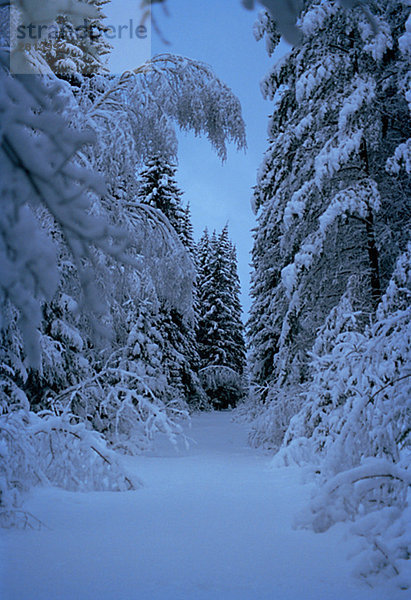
x=97, y=46
x=41, y=170
x=158, y=189
x=73, y=51
x=220, y=330
x=328, y=212
x=187, y=232
x=187, y=238
x=136, y=400
x=62, y=52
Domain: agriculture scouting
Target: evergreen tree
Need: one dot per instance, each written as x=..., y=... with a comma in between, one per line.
x=158, y=188
x=220, y=329
x=329, y=214
x=96, y=47
x=73, y=50
x=187, y=234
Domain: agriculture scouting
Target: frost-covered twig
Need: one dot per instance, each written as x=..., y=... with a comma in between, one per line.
x=389, y=384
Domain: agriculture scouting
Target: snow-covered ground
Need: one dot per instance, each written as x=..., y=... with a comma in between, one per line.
x=211, y=523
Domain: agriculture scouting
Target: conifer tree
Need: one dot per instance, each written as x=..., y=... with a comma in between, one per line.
x=158, y=189
x=74, y=51
x=97, y=45
x=220, y=329
x=187, y=233
x=329, y=214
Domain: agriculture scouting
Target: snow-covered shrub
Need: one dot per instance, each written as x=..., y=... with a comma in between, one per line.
x=133, y=410
x=272, y=415
x=75, y=458
x=223, y=385
x=126, y=398
x=373, y=497
x=360, y=377
x=50, y=449
x=355, y=427
x=18, y=467
x=326, y=391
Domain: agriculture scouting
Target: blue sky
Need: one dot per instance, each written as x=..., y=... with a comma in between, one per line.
x=218, y=32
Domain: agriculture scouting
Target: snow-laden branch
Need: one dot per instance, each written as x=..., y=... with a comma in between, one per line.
x=48, y=449
x=286, y=14
x=135, y=115
x=38, y=162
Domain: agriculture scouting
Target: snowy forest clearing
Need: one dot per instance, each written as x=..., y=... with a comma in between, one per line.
x=213, y=522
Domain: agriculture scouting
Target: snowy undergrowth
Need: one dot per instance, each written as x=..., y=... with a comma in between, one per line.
x=50, y=449
x=354, y=431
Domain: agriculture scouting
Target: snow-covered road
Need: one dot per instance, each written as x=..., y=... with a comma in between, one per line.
x=210, y=523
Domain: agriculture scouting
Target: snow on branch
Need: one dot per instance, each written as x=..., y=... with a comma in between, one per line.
x=286, y=14
x=47, y=449
x=135, y=115
x=38, y=161
x=374, y=497
x=377, y=483
x=135, y=414
x=165, y=259
x=359, y=200
x=77, y=458
x=129, y=408
x=361, y=377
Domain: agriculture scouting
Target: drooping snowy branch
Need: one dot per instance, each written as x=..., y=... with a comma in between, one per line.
x=135, y=115
x=48, y=449
x=287, y=12
x=38, y=159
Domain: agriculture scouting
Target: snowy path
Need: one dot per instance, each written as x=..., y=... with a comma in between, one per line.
x=212, y=523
